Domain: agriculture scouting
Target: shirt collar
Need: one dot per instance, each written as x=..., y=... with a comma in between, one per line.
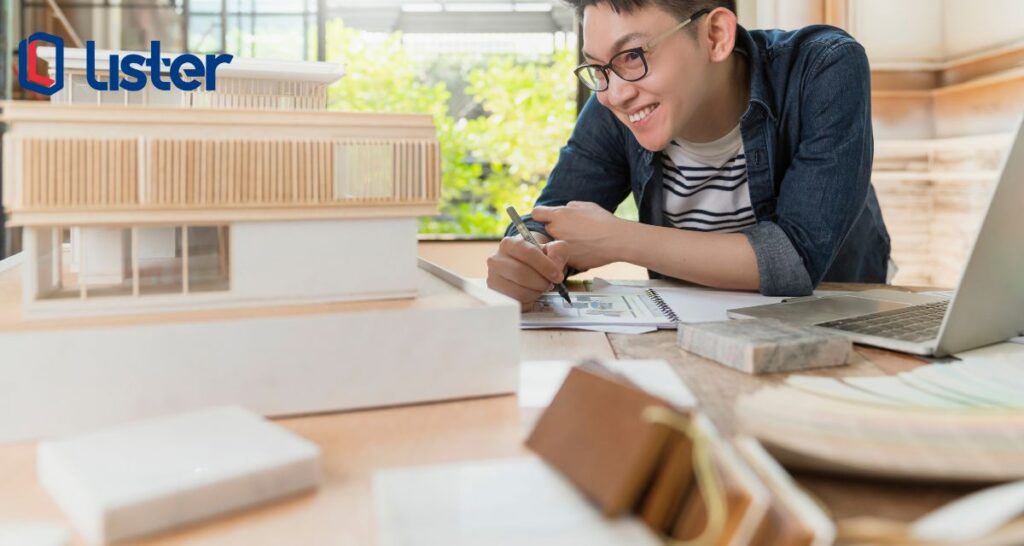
x=760, y=92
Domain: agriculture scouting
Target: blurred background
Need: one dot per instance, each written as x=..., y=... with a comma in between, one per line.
x=947, y=91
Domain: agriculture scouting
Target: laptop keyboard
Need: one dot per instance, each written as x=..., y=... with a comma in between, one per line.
x=916, y=323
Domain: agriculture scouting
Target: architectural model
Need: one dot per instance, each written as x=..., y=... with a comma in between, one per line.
x=171, y=208
x=244, y=246
x=158, y=213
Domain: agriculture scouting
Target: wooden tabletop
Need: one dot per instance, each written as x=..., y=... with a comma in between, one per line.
x=355, y=444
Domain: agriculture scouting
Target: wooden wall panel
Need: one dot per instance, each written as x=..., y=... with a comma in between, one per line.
x=981, y=107
x=72, y=175
x=65, y=172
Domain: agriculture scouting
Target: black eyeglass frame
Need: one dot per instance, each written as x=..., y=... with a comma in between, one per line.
x=608, y=67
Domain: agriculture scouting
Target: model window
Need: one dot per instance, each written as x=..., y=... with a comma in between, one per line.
x=94, y=262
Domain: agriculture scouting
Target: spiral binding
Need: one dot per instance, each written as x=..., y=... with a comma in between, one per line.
x=662, y=306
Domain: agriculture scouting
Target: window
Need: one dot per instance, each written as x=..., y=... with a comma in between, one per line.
x=100, y=262
x=504, y=105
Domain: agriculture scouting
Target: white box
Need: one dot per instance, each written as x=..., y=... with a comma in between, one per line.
x=153, y=475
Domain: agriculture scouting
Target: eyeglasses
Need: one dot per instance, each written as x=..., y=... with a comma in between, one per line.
x=631, y=64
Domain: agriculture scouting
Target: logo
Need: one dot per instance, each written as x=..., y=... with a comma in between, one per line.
x=28, y=60
x=132, y=72
x=134, y=76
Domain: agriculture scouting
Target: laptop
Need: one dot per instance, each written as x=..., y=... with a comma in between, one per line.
x=987, y=306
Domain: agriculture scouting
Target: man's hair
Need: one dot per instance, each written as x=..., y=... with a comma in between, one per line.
x=682, y=9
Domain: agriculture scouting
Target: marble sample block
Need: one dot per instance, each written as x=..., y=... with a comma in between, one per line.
x=764, y=345
x=149, y=476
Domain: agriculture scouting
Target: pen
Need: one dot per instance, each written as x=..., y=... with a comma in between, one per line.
x=525, y=232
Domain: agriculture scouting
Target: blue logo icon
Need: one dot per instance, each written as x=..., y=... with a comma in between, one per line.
x=28, y=61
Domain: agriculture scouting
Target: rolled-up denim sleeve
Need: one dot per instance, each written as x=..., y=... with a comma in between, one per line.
x=824, y=189
x=592, y=166
x=779, y=265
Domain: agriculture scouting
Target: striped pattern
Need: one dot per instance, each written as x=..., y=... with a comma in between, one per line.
x=701, y=196
x=75, y=173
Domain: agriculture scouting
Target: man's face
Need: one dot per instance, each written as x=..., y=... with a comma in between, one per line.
x=656, y=107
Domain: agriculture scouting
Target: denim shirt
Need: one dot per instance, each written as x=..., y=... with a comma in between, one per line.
x=809, y=147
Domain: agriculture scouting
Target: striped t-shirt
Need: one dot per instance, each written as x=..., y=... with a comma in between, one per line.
x=705, y=185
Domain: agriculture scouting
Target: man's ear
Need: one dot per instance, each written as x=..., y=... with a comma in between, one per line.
x=720, y=34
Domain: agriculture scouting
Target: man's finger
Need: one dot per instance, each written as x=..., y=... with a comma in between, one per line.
x=543, y=214
x=520, y=273
x=536, y=259
x=558, y=252
x=512, y=290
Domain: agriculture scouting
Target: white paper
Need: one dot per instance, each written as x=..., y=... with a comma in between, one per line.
x=508, y=502
x=539, y=380
x=623, y=306
x=705, y=305
x=694, y=303
x=594, y=309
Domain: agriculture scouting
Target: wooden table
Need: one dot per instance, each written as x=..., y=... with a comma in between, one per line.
x=355, y=444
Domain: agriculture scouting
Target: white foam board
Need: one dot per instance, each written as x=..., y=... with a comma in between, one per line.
x=152, y=475
x=64, y=381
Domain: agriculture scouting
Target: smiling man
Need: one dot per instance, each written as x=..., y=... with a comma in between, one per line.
x=748, y=154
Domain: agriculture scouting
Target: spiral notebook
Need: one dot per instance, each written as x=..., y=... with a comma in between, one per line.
x=645, y=307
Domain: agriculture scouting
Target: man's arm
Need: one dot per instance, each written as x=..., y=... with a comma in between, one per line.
x=825, y=187
x=719, y=260
x=596, y=237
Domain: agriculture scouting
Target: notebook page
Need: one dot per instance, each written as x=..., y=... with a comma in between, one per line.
x=695, y=304
x=633, y=308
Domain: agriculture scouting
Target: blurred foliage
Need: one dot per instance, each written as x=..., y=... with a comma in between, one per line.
x=498, y=156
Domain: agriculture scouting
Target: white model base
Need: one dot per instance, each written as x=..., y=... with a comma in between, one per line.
x=153, y=475
x=455, y=340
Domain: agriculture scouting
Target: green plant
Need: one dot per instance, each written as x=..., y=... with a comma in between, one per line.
x=489, y=161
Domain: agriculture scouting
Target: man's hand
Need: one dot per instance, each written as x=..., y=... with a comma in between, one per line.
x=523, y=271
x=592, y=232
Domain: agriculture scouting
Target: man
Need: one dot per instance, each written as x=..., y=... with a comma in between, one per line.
x=748, y=154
